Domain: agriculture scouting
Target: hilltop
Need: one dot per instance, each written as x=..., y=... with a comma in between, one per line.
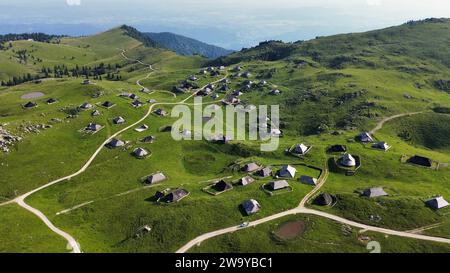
x=347, y=80
x=28, y=57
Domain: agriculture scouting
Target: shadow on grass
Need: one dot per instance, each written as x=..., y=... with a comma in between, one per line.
x=333, y=167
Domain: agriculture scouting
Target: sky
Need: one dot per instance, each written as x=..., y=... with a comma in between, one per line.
x=228, y=23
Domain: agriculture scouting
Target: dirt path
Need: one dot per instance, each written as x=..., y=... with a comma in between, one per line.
x=299, y=210
x=138, y=82
x=72, y=242
x=383, y=121
x=197, y=241
x=422, y=229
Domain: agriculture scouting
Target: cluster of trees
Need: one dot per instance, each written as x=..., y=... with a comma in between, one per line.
x=443, y=85
x=20, y=79
x=427, y=20
x=4, y=46
x=134, y=33
x=22, y=55
x=39, y=37
x=96, y=72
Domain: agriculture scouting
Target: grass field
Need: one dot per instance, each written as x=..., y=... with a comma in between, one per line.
x=22, y=232
x=321, y=105
x=320, y=236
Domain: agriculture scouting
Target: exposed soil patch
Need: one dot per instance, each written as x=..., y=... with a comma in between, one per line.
x=32, y=95
x=291, y=230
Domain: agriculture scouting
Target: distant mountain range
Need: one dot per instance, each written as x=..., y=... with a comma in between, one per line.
x=187, y=46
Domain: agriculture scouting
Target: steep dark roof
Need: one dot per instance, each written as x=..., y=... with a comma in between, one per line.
x=437, y=203
x=278, y=185
x=148, y=139
x=251, y=206
x=420, y=160
x=161, y=112
x=140, y=152
x=324, y=199
x=114, y=143
x=308, y=180
x=337, y=149
x=375, y=192
x=108, y=104
x=93, y=127
x=159, y=195
x=119, y=120
x=137, y=103
x=30, y=104
x=265, y=172
x=176, y=195
x=51, y=100
x=156, y=178
x=244, y=181
x=86, y=106
x=251, y=167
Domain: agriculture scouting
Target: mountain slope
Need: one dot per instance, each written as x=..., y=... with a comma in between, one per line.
x=415, y=41
x=348, y=81
x=23, y=60
x=187, y=46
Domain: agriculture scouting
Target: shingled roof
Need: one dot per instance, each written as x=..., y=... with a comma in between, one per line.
x=278, y=185
x=115, y=143
x=324, y=199
x=420, y=160
x=309, y=180
x=288, y=171
x=244, y=181
x=348, y=160
x=266, y=172
x=140, y=153
x=222, y=186
x=30, y=104
x=176, y=195
x=251, y=167
x=155, y=178
x=301, y=149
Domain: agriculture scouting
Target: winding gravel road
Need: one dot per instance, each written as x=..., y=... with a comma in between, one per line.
x=383, y=121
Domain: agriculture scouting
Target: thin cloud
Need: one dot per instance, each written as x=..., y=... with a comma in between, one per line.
x=73, y=2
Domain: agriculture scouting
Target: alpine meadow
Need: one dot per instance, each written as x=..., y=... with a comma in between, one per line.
x=88, y=162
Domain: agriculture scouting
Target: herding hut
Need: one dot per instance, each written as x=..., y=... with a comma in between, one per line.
x=288, y=171
x=278, y=185
x=308, y=180
x=324, y=199
x=251, y=206
x=222, y=186
x=375, y=192
x=155, y=178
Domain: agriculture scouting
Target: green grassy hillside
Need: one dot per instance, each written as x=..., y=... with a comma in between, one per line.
x=332, y=88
